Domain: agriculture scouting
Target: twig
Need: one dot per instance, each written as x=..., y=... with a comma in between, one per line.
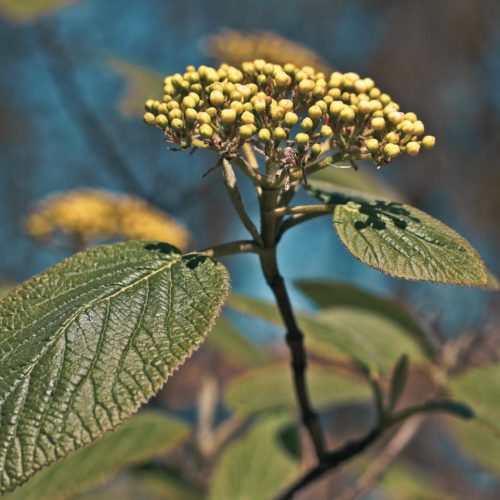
x=297, y=219
x=323, y=208
x=231, y=248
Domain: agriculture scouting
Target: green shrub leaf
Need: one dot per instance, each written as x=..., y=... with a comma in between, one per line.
x=271, y=388
x=258, y=465
x=405, y=242
x=140, y=439
x=85, y=343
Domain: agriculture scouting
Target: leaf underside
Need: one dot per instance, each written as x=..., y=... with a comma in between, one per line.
x=85, y=343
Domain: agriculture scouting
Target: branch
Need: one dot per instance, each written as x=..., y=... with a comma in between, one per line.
x=324, y=208
x=297, y=219
x=231, y=248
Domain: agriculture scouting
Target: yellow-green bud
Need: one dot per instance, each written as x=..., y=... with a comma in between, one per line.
x=212, y=112
x=237, y=106
x=418, y=128
x=190, y=114
x=262, y=79
x=392, y=150
x=177, y=124
x=326, y=131
x=385, y=99
x=268, y=69
x=412, y=148
x=175, y=113
x=411, y=116
x=315, y=112
x=372, y=145
x=279, y=133
x=392, y=137
x=307, y=123
x=378, y=123
x=316, y=149
x=336, y=107
x=260, y=105
x=395, y=117
x=306, y=86
x=206, y=130
x=149, y=118
x=235, y=96
x=203, y=117
x=407, y=127
x=188, y=102
x=364, y=107
x=264, y=135
x=228, y=115
x=173, y=105
x=248, y=106
x=429, y=141
x=246, y=131
x=277, y=113
x=282, y=79
x=217, y=98
x=286, y=104
x=302, y=139
x=248, y=117
x=348, y=115
x=291, y=118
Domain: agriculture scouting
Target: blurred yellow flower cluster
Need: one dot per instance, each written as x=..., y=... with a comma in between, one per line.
x=86, y=216
x=235, y=47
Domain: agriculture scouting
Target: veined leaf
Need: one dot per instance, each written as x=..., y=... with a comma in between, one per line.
x=257, y=465
x=271, y=388
x=85, y=343
x=29, y=10
x=229, y=341
x=140, y=439
x=367, y=337
x=141, y=83
x=331, y=294
x=405, y=242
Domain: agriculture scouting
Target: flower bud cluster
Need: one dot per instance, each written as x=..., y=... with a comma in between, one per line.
x=92, y=215
x=288, y=113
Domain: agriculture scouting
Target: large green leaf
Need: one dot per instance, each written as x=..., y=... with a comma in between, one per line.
x=405, y=242
x=226, y=339
x=271, y=388
x=330, y=294
x=28, y=10
x=367, y=337
x=85, y=343
x=257, y=465
x=138, y=440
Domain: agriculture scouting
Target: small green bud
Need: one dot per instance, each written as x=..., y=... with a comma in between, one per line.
x=188, y=102
x=378, y=124
x=228, y=115
x=217, y=98
x=291, y=119
x=246, y=131
x=326, y=131
x=248, y=117
x=302, y=139
x=206, y=131
x=392, y=150
x=173, y=105
x=177, y=124
x=412, y=148
x=418, y=128
x=348, y=115
x=149, y=118
x=190, y=114
x=175, y=113
x=372, y=145
x=307, y=123
x=429, y=141
x=264, y=135
x=315, y=112
x=279, y=133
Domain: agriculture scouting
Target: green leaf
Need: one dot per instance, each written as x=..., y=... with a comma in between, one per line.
x=140, y=439
x=29, y=10
x=257, y=465
x=405, y=242
x=398, y=381
x=271, y=388
x=368, y=338
x=454, y=408
x=85, y=343
x=141, y=83
x=226, y=339
x=330, y=294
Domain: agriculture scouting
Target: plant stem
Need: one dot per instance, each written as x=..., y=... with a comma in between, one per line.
x=323, y=208
x=231, y=248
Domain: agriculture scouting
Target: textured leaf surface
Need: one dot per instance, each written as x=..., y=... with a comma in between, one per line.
x=85, y=343
x=367, y=337
x=226, y=339
x=331, y=294
x=271, y=388
x=258, y=465
x=405, y=242
x=28, y=10
x=142, y=438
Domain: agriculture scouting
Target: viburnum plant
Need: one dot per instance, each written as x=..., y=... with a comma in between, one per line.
x=88, y=341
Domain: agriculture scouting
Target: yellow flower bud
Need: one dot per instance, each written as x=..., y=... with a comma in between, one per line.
x=237, y=106
x=372, y=145
x=228, y=115
x=177, y=124
x=385, y=99
x=326, y=131
x=286, y=104
x=282, y=79
x=302, y=139
x=316, y=149
x=217, y=98
x=418, y=128
x=306, y=86
x=392, y=137
x=429, y=141
x=407, y=127
x=411, y=116
x=212, y=112
x=264, y=135
x=175, y=113
x=173, y=105
x=206, y=130
x=260, y=105
x=203, y=117
x=364, y=107
x=235, y=96
x=190, y=115
x=277, y=113
x=347, y=115
x=412, y=148
x=395, y=117
x=291, y=119
x=246, y=131
x=307, y=123
x=336, y=107
x=247, y=106
x=392, y=150
x=149, y=118
x=188, y=102
x=248, y=117
x=279, y=133
x=268, y=69
x=378, y=124
x=315, y=112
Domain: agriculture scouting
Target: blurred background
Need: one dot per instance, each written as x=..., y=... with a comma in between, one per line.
x=74, y=76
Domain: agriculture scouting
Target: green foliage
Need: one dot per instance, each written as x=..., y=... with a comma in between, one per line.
x=29, y=10
x=85, y=343
x=367, y=337
x=138, y=440
x=226, y=339
x=330, y=294
x=258, y=464
x=271, y=388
